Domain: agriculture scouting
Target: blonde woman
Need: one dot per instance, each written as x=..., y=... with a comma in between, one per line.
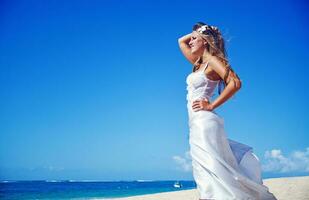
x=223, y=169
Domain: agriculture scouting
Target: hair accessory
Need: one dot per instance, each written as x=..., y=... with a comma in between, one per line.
x=202, y=28
x=208, y=30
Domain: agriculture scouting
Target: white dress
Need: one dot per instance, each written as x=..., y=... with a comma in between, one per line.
x=223, y=169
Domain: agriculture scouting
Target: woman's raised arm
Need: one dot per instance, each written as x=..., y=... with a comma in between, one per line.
x=186, y=49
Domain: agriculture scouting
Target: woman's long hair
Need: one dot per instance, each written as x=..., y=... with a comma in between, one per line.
x=215, y=46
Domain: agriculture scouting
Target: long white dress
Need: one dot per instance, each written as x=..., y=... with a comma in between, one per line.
x=223, y=169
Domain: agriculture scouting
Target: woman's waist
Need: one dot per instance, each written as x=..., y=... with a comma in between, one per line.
x=203, y=115
x=192, y=98
x=192, y=112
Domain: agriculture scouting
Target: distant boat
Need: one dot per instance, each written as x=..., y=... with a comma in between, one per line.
x=177, y=184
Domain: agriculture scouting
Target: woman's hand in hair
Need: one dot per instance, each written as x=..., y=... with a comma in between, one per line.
x=185, y=48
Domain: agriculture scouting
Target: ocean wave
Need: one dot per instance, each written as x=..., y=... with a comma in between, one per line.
x=5, y=181
x=144, y=180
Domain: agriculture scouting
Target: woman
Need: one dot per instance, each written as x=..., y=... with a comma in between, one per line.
x=223, y=169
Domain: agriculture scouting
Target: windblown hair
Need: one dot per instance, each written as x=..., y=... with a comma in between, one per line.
x=215, y=46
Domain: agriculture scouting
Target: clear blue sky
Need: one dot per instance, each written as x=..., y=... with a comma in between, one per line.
x=96, y=89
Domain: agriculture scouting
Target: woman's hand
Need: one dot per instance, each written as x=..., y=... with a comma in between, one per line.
x=202, y=105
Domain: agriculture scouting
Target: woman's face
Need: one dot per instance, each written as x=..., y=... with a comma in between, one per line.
x=197, y=44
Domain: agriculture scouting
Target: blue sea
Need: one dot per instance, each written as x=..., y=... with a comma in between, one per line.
x=70, y=189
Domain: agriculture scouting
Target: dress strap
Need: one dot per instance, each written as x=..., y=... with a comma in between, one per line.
x=205, y=66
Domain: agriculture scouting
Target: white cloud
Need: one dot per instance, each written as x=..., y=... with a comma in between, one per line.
x=184, y=163
x=275, y=161
x=297, y=161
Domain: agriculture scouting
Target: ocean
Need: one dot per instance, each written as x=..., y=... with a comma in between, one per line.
x=87, y=189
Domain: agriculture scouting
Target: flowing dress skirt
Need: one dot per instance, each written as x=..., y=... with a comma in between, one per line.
x=223, y=169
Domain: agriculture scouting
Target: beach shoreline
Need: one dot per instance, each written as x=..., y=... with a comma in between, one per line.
x=284, y=188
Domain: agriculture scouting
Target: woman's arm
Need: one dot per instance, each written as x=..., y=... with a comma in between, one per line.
x=186, y=49
x=233, y=83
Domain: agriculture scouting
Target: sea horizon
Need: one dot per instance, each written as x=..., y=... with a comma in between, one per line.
x=264, y=176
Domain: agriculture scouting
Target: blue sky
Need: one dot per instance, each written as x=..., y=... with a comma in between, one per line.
x=96, y=89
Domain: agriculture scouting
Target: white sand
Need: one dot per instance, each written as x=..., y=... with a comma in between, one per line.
x=290, y=188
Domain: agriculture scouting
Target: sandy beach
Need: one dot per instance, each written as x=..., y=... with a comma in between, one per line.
x=283, y=188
